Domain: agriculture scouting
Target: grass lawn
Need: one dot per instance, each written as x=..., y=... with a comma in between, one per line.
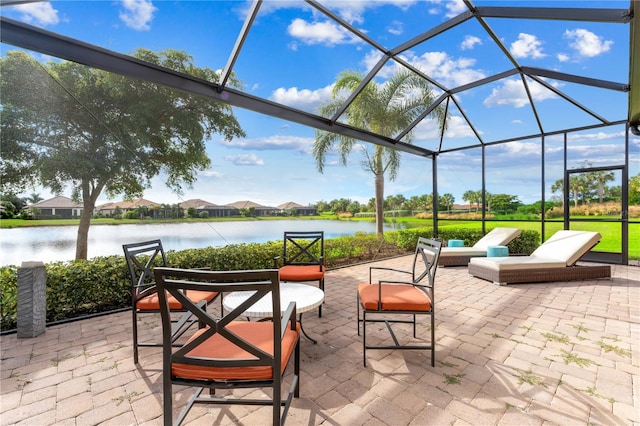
x=611, y=232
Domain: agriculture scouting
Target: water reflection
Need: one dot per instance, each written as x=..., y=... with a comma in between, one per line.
x=54, y=243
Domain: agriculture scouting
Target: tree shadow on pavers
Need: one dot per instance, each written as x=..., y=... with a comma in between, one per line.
x=547, y=323
x=549, y=398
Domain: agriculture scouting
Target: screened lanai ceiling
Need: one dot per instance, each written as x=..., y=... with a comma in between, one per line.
x=499, y=75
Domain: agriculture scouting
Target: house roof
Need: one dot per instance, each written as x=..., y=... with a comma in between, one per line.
x=246, y=204
x=290, y=205
x=128, y=204
x=59, y=202
x=197, y=203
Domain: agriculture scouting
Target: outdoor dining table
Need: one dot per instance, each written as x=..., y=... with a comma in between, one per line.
x=305, y=296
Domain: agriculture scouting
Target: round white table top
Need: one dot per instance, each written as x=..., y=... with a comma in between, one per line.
x=306, y=297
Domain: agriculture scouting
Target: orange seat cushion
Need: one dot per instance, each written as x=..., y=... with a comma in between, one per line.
x=259, y=334
x=152, y=302
x=301, y=272
x=395, y=297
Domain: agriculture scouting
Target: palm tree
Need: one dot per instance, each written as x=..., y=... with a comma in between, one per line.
x=34, y=198
x=471, y=197
x=601, y=178
x=447, y=201
x=385, y=109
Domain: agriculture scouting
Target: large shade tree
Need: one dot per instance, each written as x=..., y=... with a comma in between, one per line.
x=66, y=125
x=385, y=109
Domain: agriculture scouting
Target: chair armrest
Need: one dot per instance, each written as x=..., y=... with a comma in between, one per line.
x=380, y=268
x=149, y=290
x=380, y=282
x=290, y=317
x=276, y=261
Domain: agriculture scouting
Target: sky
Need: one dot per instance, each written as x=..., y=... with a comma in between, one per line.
x=293, y=55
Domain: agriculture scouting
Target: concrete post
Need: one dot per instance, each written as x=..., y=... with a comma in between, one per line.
x=32, y=303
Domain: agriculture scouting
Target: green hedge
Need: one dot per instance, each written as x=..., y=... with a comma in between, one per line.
x=526, y=243
x=83, y=287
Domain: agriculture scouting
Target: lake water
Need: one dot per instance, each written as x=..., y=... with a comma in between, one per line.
x=53, y=243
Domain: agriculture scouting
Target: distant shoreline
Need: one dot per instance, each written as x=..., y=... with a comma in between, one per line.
x=21, y=223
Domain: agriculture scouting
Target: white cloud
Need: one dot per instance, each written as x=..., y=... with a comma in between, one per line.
x=212, y=173
x=395, y=28
x=512, y=92
x=273, y=143
x=429, y=129
x=245, y=160
x=527, y=46
x=305, y=99
x=562, y=57
x=587, y=43
x=449, y=71
x=40, y=13
x=455, y=8
x=470, y=42
x=137, y=14
x=325, y=32
x=520, y=149
x=352, y=11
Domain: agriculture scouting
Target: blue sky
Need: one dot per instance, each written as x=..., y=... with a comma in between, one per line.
x=293, y=55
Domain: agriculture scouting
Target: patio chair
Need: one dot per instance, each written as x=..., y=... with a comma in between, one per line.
x=460, y=256
x=228, y=353
x=392, y=300
x=141, y=258
x=302, y=258
x=554, y=260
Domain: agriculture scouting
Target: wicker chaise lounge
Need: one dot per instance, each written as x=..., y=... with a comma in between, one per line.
x=460, y=256
x=554, y=260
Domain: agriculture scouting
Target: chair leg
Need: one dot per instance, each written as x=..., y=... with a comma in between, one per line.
x=358, y=312
x=433, y=339
x=134, y=332
x=414, y=326
x=321, y=283
x=364, y=337
x=296, y=369
x=167, y=395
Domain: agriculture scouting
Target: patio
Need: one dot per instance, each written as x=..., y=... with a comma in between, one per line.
x=554, y=353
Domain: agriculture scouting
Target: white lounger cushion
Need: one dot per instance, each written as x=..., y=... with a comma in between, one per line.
x=497, y=237
x=462, y=251
x=563, y=249
x=515, y=263
x=567, y=246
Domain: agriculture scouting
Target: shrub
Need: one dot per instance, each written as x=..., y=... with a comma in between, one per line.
x=82, y=287
x=526, y=243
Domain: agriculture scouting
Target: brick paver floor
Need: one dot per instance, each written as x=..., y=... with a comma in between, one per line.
x=528, y=354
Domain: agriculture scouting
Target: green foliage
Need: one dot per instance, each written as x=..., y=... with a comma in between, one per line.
x=131, y=214
x=192, y=212
x=8, y=296
x=51, y=134
x=82, y=287
x=526, y=243
x=386, y=109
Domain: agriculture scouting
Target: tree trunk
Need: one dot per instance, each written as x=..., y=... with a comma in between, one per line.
x=379, y=188
x=88, y=204
x=600, y=191
x=83, y=230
